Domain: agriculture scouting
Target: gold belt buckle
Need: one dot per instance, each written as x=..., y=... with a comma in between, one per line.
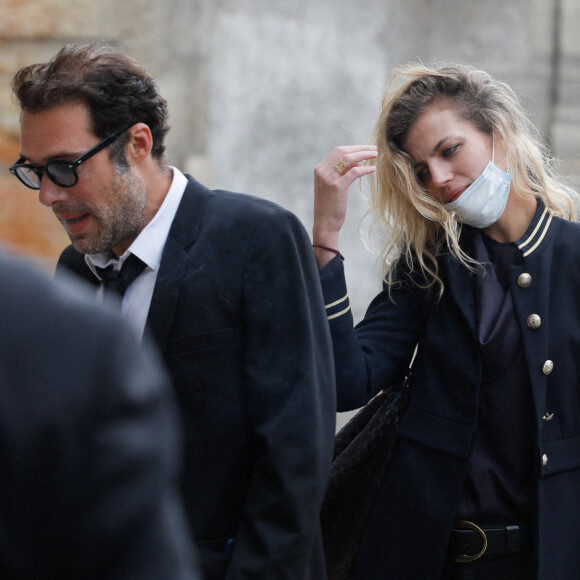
x=465, y=525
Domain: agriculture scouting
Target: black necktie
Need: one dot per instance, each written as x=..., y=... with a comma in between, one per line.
x=116, y=282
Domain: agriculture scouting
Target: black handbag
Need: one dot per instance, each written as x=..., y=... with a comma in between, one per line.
x=363, y=449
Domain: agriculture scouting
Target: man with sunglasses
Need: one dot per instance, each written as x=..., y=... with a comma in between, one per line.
x=227, y=286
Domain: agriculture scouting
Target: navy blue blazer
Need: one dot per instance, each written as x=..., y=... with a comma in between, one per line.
x=238, y=314
x=408, y=532
x=89, y=446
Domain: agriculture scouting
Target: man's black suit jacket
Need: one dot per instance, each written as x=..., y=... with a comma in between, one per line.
x=238, y=314
x=88, y=445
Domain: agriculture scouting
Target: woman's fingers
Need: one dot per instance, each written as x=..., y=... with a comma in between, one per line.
x=343, y=160
x=332, y=178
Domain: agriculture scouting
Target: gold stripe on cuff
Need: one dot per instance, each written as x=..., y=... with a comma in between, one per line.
x=337, y=302
x=339, y=313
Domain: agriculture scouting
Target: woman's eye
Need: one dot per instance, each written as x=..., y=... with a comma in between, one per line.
x=450, y=150
x=421, y=175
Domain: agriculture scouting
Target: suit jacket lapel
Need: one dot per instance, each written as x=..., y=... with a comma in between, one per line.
x=174, y=262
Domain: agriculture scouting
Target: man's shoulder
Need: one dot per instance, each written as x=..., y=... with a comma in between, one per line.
x=226, y=202
x=246, y=204
x=219, y=219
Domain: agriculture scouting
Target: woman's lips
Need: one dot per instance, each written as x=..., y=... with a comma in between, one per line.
x=455, y=194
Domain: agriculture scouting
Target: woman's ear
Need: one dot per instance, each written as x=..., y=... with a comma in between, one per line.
x=140, y=142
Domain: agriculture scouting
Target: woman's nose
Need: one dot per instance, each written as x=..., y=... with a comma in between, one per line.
x=440, y=174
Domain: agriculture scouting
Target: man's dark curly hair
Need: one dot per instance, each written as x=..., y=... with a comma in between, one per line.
x=117, y=90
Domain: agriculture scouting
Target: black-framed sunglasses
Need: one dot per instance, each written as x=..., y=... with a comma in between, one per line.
x=63, y=173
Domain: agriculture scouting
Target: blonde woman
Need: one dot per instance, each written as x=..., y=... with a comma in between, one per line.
x=482, y=274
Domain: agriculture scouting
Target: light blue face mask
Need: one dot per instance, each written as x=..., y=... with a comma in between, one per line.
x=484, y=201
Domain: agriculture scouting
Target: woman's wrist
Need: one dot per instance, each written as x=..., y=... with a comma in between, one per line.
x=324, y=244
x=325, y=247
x=328, y=249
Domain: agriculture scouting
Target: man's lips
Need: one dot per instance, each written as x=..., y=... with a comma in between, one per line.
x=74, y=223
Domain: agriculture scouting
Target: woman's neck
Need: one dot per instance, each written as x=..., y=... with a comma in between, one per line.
x=519, y=213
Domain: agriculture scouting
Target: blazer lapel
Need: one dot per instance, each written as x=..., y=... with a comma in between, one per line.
x=174, y=262
x=460, y=283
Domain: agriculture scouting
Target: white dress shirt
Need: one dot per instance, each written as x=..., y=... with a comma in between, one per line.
x=148, y=246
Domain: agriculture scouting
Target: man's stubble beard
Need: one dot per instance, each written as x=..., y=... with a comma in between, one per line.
x=121, y=216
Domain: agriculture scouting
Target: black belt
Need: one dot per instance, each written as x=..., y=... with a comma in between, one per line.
x=469, y=541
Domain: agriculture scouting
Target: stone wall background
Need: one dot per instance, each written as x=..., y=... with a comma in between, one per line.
x=261, y=90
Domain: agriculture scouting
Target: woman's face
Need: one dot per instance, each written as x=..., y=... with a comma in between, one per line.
x=448, y=153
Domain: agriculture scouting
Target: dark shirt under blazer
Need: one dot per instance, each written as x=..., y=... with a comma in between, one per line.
x=408, y=532
x=238, y=314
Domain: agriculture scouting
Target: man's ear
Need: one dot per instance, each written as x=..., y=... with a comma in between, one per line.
x=140, y=142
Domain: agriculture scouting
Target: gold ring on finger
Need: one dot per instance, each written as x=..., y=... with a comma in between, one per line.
x=340, y=167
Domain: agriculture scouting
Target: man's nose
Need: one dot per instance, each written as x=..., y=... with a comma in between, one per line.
x=49, y=192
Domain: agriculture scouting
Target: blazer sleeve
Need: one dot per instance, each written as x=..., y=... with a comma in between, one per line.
x=289, y=378
x=377, y=351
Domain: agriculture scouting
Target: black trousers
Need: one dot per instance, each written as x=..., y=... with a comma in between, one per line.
x=509, y=567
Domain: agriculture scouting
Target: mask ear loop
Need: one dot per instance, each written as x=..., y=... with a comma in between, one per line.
x=493, y=152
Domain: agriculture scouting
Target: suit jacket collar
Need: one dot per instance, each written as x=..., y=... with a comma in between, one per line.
x=174, y=262
x=187, y=221
x=539, y=232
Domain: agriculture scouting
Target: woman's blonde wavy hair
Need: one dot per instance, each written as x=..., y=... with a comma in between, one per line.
x=418, y=228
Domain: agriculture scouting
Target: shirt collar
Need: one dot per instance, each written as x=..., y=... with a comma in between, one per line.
x=537, y=230
x=149, y=244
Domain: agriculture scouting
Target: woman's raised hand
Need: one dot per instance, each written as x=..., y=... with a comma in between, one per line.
x=332, y=179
